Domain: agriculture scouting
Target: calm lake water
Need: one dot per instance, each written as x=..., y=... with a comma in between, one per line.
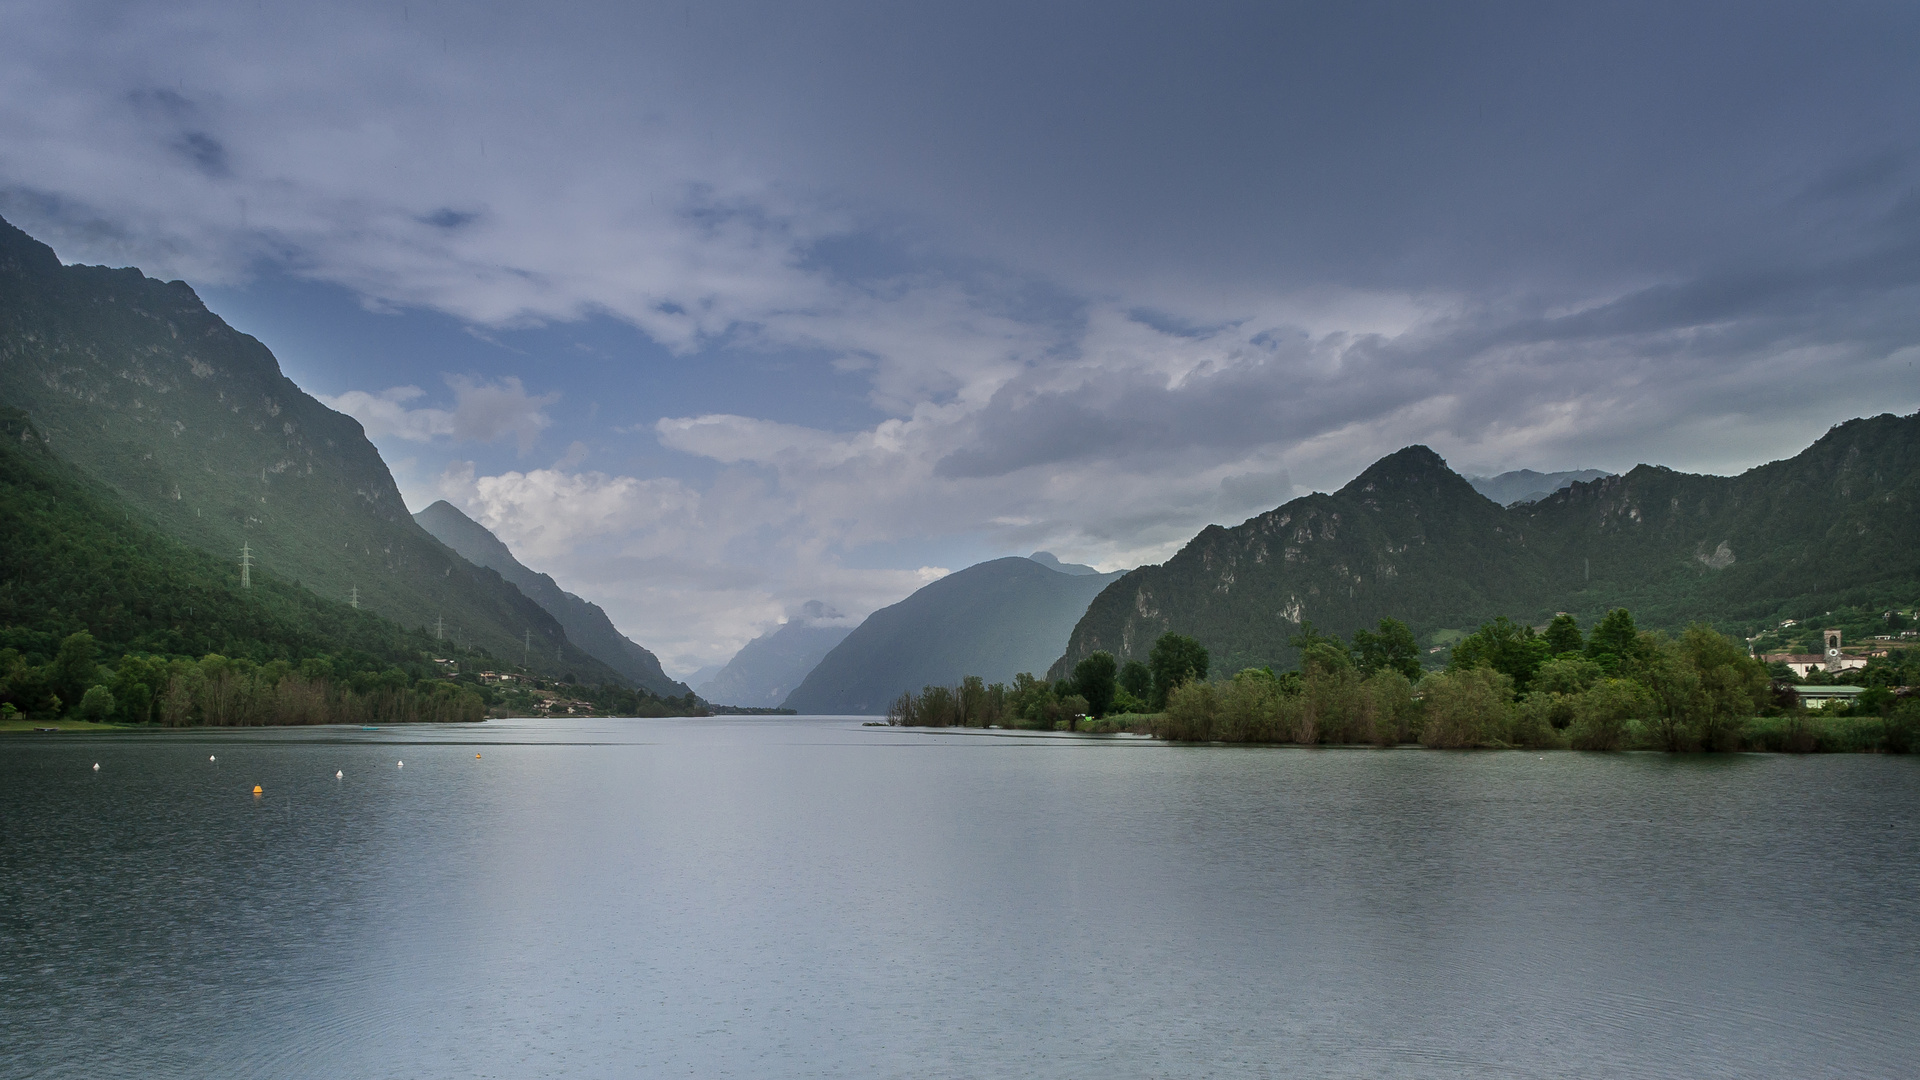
x=788, y=898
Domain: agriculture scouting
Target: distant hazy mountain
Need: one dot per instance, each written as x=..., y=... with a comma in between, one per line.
x=192, y=423
x=1837, y=524
x=585, y=623
x=1047, y=559
x=769, y=667
x=1525, y=485
x=992, y=620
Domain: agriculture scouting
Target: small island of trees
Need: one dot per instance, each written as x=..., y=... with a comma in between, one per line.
x=1505, y=685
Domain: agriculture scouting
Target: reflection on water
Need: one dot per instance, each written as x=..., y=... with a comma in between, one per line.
x=755, y=897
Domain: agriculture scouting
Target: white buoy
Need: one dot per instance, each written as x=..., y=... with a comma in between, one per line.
x=209, y=757
x=403, y=764
x=337, y=774
x=96, y=766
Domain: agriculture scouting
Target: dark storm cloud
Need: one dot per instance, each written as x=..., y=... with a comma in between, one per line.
x=204, y=151
x=1685, y=339
x=448, y=218
x=1365, y=143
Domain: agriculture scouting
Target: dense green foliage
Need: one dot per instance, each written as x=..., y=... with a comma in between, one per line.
x=104, y=618
x=1619, y=688
x=1624, y=688
x=1390, y=648
x=1098, y=688
x=1025, y=703
x=1835, y=527
x=78, y=559
x=224, y=691
x=1174, y=660
x=1094, y=679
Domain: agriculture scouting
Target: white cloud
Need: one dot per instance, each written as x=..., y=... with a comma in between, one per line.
x=673, y=566
x=482, y=412
x=385, y=414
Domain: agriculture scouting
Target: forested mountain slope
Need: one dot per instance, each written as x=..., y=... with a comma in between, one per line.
x=994, y=619
x=1837, y=524
x=76, y=557
x=193, y=424
x=585, y=623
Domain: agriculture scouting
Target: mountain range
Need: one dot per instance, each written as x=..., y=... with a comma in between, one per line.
x=770, y=666
x=1525, y=485
x=192, y=424
x=1837, y=524
x=994, y=619
x=585, y=623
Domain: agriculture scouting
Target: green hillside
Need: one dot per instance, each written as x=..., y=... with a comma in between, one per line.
x=85, y=578
x=1835, y=526
x=585, y=623
x=193, y=424
x=77, y=558
x=994, y=619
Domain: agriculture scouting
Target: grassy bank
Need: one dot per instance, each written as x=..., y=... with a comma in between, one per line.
x=30, y=726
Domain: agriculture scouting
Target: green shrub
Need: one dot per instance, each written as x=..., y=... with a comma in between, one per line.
x=1603, y=715
x=1189, y=714
x=1465, y=708
x=96, y=704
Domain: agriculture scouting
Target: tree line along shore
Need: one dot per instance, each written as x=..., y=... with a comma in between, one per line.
x=106, y=620
x=1505, y=686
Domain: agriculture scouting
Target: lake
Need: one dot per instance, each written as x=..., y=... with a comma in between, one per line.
x=779, y=897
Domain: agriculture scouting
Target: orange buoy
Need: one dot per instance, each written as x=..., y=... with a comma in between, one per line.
x=476, y=755
x=256, y=789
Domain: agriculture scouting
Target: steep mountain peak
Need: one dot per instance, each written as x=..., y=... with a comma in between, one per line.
x=22, y=254
x=1877, y=435
x=1052, y=562
x=1415, y=470
x=586, y=624
x=474, y=541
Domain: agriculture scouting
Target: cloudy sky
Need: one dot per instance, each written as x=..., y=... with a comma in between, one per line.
x=713, y=309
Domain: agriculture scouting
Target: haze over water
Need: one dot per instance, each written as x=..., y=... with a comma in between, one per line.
x=745, y=897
